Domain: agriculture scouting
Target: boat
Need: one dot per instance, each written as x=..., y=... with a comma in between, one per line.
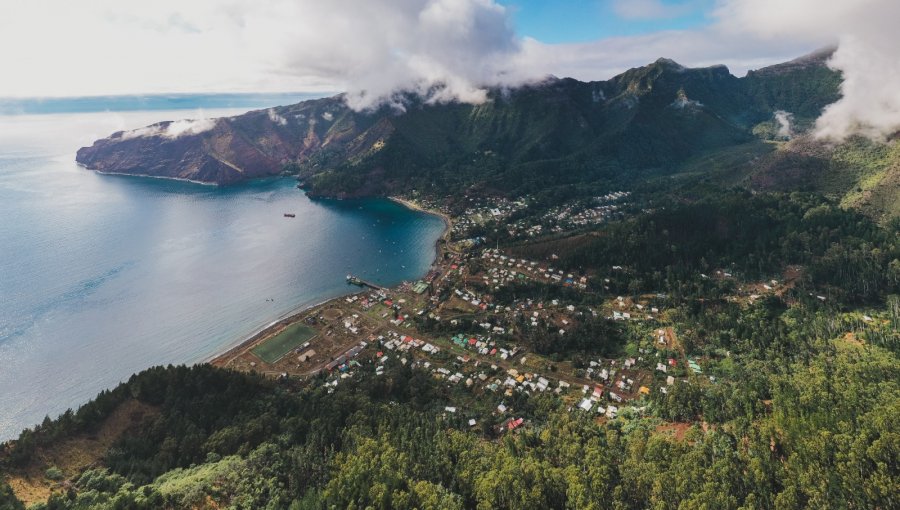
x=290, y=215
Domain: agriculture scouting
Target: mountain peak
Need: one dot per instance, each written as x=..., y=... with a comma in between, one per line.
x=669, y=63
x=818, y=58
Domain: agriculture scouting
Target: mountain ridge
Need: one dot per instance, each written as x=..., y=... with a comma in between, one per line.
x=647, y=119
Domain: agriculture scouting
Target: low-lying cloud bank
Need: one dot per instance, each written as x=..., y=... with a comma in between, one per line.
x=442, y=50
x=172, y=130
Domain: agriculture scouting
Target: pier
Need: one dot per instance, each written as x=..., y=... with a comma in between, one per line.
x=354, y=280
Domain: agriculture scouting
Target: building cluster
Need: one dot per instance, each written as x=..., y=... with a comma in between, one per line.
x=572, y=216
x=482, y=211
x=502, y=270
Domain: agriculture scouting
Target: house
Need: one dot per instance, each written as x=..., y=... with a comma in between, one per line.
x=586, y=404
x=695, y=367
x=306, y=356
x=514, y=424
x=336, y=363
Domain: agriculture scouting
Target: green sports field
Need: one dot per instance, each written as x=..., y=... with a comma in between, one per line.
x=276, y=347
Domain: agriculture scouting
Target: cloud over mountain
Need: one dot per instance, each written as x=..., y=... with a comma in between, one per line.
x=441, y=49
x=868, y=54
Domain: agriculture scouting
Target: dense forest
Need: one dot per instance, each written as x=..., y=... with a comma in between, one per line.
x=847, y=255
x=810, y=428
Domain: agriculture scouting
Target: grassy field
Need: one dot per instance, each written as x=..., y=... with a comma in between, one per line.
x=276, y=347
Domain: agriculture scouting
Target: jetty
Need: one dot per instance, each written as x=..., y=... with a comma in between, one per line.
x=354, y=280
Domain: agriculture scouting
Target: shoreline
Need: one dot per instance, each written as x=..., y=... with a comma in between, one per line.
x=162, y=177
x=448, y=222
x=235, y=349
x=295, y=312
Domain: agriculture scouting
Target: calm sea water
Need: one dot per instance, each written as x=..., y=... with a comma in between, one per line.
x=103, y=276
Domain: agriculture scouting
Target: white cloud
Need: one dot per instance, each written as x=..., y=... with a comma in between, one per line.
x=447, y=49
x=274, y=117
x=868, y=40
x=784, y=120
x=871, y=89
x=172, y=129
x=442, y=49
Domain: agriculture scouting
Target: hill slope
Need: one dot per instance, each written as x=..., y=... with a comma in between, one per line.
x=859, y=173
x=648, y=119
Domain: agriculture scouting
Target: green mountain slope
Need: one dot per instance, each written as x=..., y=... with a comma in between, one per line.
x=646, y=121
x=859, y=173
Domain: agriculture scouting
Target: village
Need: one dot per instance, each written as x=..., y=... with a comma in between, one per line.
x=452, y=325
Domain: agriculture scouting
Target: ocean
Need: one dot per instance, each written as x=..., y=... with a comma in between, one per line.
x=103, y=276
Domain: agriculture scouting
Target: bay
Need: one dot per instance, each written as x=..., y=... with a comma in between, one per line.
x=103, y=276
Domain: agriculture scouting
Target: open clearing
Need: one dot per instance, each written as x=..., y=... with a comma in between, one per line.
x=75, y=454
x=290, y=338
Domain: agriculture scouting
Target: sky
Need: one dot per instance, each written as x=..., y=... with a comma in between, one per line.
x=443, y=49
x=568, y=21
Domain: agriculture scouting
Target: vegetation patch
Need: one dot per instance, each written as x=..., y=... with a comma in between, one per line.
x=288, y=339
x=49, y=468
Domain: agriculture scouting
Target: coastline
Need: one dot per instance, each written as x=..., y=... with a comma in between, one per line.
x=179, y=179
x=235, y=349
x=265, y=330
x=448, y=223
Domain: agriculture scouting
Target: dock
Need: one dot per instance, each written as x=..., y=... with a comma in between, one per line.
x=354, y=280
